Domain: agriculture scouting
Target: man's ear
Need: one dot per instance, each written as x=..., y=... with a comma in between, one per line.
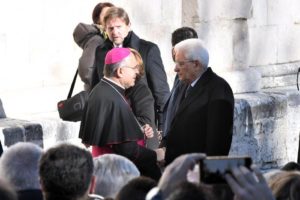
x=129, y=26
x=119, y=72
x=198, y=63
x=42, y=185
x=173, y=54
x=92, y=185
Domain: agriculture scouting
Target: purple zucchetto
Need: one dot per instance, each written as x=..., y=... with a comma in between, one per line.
x=116, y=55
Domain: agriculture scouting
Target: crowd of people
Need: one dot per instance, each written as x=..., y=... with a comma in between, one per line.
x=69, y=172
x=146, y=141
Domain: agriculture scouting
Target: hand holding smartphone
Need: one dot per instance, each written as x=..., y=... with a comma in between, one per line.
x=213, y=168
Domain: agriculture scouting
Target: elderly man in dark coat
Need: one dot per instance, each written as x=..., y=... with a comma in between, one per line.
x=204, y=119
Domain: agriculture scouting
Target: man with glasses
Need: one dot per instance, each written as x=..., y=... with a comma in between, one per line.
x=108, y=123
x=118, y=29
x=173, y=101
x=204, y=119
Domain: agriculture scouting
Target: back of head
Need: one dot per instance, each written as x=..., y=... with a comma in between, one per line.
x=112, y=172
x=19, y=165
x=194, y=49
x=66, y=172
x=186, y=190
x=6, y=191
x=116, y=58
x=98, y=9
x=116, y=12
x=136, y=189
x=183, y=33
x=220, y=191
x=286, y=185
x=291, y=166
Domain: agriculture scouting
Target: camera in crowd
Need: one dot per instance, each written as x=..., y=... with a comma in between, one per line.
x=213, y=168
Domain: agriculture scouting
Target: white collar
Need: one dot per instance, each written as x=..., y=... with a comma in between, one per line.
x=111, y=80
x=196, y=80
x=118, y=46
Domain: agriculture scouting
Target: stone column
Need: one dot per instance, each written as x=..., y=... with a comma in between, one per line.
x=223, y=25
x=2, y=112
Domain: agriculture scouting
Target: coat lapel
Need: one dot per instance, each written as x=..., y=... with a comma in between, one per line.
x=195, y=92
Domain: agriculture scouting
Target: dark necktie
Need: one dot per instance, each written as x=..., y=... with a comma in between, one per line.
x=173, y=104
x=187, y=91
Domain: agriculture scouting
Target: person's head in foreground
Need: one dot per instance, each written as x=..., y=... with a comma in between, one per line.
x=19, y=165
x=136, y=189
x=66, y=172
x=112, y=172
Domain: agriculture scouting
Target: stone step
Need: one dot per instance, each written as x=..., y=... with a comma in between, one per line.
x=266, y=126
x=15, y=130
x=40, y=129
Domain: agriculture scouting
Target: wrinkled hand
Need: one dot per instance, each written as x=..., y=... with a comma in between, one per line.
x=177, y=171
x=148, y=131
x=247, y=186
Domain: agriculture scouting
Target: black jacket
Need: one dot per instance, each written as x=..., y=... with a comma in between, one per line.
x=204, y=119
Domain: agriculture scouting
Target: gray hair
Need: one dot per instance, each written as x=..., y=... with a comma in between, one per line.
x=194, y=49
x=109, y=70
x=19, y=165
x=112, y=172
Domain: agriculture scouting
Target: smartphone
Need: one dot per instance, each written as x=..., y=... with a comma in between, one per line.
x=213, y=168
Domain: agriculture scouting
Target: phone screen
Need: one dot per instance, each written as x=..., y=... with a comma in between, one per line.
x=212, y=169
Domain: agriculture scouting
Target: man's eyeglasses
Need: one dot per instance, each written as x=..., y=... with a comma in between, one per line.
x=182, y=63
x=137, y=67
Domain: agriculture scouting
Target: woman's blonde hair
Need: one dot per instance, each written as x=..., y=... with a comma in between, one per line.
x=139, y=60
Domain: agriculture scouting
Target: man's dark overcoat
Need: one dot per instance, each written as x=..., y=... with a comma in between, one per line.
x=204, y=119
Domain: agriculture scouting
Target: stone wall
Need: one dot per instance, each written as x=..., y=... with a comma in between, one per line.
x=273, y=35
x=260, y=34
x=245, y=38
x=223, y=25
x=266, y=126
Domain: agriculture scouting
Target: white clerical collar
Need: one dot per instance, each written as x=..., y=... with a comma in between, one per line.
x=118, y=45
x=111, y=80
